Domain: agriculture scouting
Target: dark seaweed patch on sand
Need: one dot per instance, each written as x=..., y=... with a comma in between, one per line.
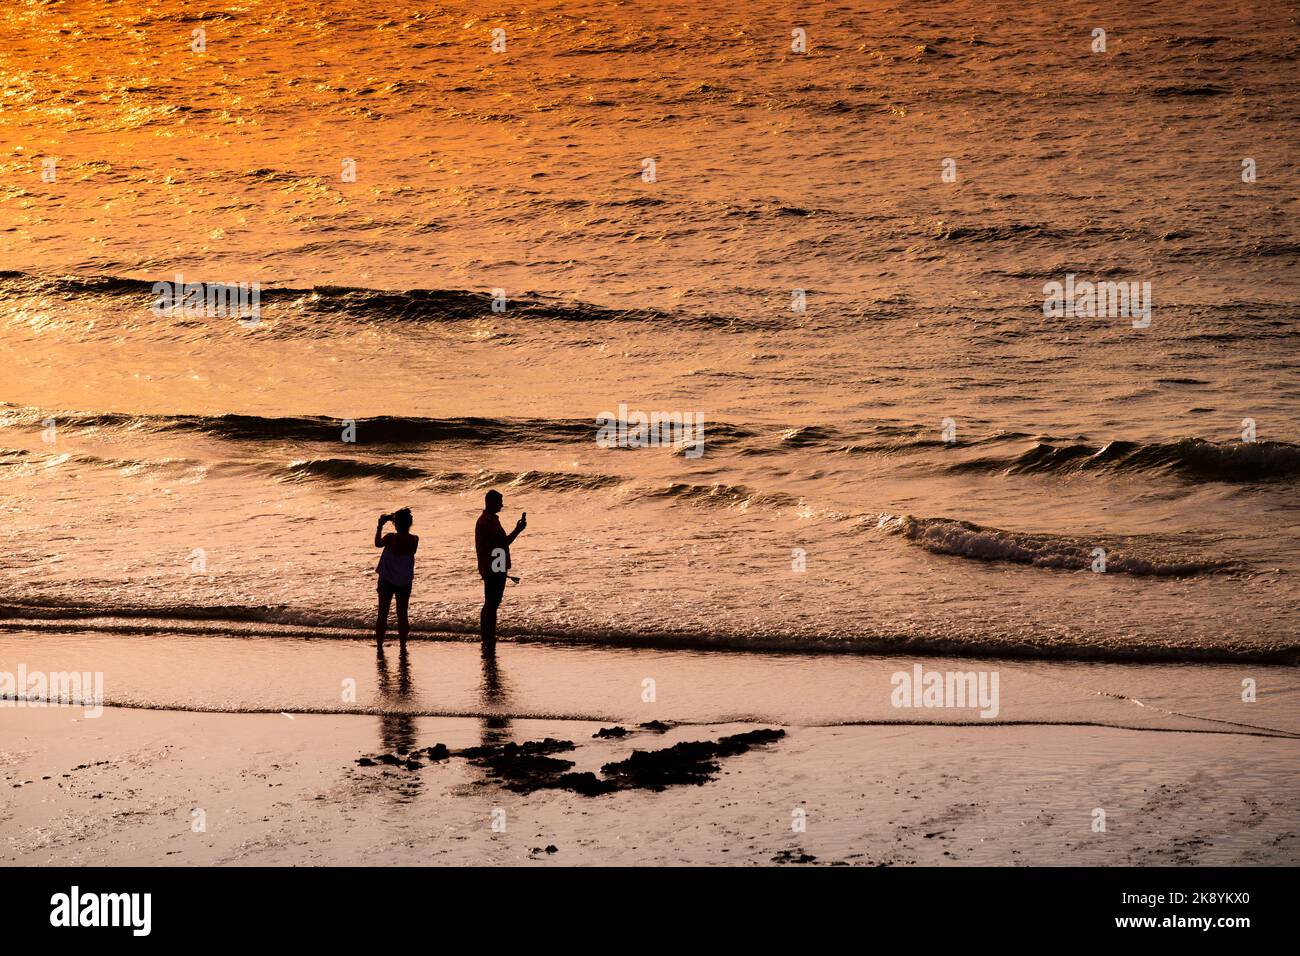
x=692, y=762
x=531, y=766
x=522, y=767
x=653, y=726
x=794, y=856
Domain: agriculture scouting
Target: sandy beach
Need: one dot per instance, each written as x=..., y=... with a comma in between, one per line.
x=286, y=791
x=143, y=783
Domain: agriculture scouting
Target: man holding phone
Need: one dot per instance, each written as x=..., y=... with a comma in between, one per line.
x=492, y=545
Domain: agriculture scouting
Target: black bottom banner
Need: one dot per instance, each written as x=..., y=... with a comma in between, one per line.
x=333, y=905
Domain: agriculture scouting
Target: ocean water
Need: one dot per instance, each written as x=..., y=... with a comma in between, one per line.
x=919, y=460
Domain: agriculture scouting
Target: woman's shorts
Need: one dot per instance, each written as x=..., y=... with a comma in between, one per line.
x=387, y=590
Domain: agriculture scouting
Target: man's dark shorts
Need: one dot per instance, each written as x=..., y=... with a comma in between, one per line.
x=387, y=590
x=494, y=587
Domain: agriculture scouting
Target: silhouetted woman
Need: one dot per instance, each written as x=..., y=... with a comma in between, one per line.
x=396, y=570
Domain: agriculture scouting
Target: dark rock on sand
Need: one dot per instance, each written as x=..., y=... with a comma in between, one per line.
x=548, y=746
x=655, y=726
x=656, y=769
x=410, y=759
x=792, y=856
x=587, y=784
x=522, y=767
x=691, y=762
x=530, y=766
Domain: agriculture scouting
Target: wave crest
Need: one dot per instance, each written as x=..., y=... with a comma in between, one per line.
x=1124, y=555
x=1191, y=458
x=363, y=304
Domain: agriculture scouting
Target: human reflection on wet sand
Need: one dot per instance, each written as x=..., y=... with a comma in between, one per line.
x=397, y=726
x=494, y=695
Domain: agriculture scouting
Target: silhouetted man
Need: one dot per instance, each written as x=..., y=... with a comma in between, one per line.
x=493, y=547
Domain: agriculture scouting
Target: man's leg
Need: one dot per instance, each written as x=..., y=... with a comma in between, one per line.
x=487, y=618
x=492, y=591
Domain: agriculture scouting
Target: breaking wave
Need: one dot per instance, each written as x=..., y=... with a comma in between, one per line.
x=1132, y=555
x=362, y=304
x=979, y=641
x=1190, y=458
x=383, y=430
x=345, y=468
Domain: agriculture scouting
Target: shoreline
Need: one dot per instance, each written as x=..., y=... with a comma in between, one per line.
x=1246, y=730
x=1008, y=650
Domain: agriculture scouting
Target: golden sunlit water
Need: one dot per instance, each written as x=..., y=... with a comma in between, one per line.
x=917, y=458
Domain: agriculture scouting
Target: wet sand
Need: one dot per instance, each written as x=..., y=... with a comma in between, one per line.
x=287, y=790
x=241, y=750
x=166, y=668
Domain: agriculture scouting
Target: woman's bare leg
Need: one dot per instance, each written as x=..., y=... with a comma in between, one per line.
x=402, y=601
x=381, y=622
